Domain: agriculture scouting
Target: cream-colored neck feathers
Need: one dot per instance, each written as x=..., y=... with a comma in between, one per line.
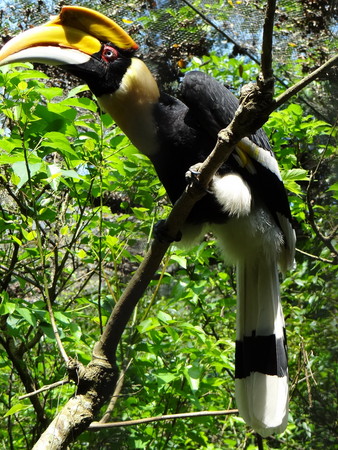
x=131, y=106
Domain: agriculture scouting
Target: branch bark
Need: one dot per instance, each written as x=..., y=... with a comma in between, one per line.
x=95, y=426
x=266, y=57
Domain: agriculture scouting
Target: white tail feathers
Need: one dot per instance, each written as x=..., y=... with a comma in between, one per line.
x=262, y=401
x=257, y=244
x=261, y=359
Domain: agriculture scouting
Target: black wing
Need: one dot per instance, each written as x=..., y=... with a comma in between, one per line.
x=213, y=107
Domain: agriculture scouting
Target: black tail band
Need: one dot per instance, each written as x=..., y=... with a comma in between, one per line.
x=264, y=354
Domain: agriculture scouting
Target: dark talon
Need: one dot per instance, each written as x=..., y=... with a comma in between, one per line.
x=192, y=173
x=191, y=176
x=161, y=233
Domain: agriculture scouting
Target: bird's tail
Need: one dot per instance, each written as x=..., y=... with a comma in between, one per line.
x=261, y=355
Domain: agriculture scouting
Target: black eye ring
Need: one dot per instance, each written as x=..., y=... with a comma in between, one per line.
x=109, y=53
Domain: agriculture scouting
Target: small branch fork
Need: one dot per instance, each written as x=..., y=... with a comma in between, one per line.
x=97, y=381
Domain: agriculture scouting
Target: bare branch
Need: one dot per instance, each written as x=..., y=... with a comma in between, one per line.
x=20, y=275
x=318, y=258
x=293, y=90
x=266, y=57
x=54, y=326
x=116, y=394
x=95, y=426
x=47, y=387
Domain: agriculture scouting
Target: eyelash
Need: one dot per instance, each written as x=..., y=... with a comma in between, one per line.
x=109, y=53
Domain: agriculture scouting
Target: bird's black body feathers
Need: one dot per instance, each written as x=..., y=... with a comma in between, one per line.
x=187, y=131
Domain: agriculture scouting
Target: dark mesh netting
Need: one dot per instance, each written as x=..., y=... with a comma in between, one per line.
x=171, y=32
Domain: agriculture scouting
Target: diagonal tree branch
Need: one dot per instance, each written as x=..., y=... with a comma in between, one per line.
x=127, y=423
x=293, y=90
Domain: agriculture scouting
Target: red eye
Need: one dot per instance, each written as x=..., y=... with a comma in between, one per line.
x=109, y=53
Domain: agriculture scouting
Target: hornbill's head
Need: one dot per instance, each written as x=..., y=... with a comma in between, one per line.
x=97, y=50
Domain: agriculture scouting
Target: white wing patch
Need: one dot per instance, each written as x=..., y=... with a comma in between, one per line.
x=233, y=194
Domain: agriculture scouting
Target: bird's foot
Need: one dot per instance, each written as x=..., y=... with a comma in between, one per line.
x=191, y=176
x=161, y=233
x=192, y=173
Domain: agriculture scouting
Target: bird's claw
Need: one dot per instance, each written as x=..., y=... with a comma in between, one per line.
x=192, y=175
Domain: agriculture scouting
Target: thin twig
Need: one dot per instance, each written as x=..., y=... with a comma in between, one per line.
x=25, y=376
x=47, y=387
x=259, y=441
x=21, y=275
x=127, y=423
x=293, y=90
x=45, y=288
x=116, y=394
x=318, y=258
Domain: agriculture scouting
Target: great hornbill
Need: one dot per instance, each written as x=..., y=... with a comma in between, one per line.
x=246, y=206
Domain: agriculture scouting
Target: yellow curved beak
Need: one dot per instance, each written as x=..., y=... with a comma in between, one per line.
x=74, y=28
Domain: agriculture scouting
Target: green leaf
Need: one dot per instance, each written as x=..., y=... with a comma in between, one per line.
x=20, y=170
x=148, y=324
x=295, y=109
x=27, y=315
x=112, y=242
x=73, y=92
x=7, y=307
x=61, y=317
x=29, y=235
x=16, y=240
x=164, y=317
x=295, y=175
x=59, y=142
x=50, y=92
x=81, y=254
x=334, y=189
x=107, y=121
x=22, y=85
x=17, y=408
x=30, y=74
x=290, y=178
x=81, y=102
x=10, y=144
x=70, y=174
x=165, y=377
x=192, y=375
x=181, y=260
